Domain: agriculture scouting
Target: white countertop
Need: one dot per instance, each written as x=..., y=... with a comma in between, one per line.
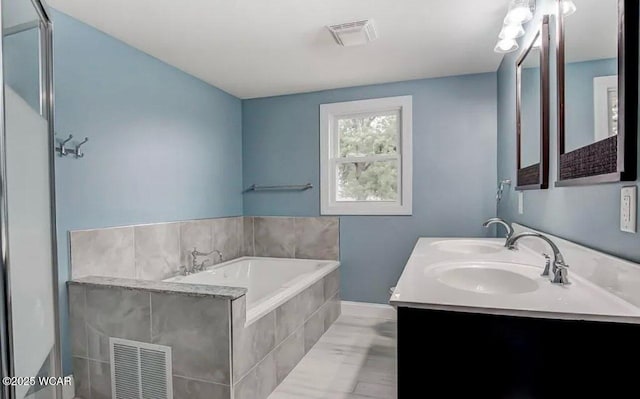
x=420, y=287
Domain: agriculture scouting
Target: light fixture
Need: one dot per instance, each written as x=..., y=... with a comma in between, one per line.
x=511, y=31
x=567, y=7
x=506, y=46
x=354, y=33
x=520, y=12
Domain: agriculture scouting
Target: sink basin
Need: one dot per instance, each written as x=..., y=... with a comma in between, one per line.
x=469, y=246
x=487, y=278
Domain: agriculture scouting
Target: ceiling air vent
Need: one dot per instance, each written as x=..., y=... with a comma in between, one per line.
x=354, y=33
x=140, y=370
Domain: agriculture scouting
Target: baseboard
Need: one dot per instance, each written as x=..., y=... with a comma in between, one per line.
x=365, y=309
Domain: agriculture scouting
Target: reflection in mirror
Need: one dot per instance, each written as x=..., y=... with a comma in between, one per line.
x=532, y=112
x=530, y=109
x=591, y=73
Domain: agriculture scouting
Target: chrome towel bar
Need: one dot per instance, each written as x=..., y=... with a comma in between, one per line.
x=290, y=187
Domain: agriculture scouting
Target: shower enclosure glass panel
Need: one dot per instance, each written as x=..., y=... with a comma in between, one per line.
x=28, y=261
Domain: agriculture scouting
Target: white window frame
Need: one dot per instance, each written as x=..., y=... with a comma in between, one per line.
x=329, y=113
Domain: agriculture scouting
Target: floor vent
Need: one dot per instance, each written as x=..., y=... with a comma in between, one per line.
x=140, y=370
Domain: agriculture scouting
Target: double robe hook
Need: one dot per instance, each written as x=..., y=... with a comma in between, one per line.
x=63, y=151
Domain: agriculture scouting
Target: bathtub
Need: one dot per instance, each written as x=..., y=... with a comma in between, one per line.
x=270, y=282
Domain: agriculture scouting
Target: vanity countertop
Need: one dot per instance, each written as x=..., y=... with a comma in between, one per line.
x=217, y=292
x=432, y=279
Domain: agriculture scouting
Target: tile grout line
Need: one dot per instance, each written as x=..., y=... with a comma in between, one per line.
x=231, y=379
x=86, y=329
x=199, y=380
x=89, y=359
x=135, y=254
x=151, y=320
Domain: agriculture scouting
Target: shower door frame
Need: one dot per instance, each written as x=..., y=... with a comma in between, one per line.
x=45, y=29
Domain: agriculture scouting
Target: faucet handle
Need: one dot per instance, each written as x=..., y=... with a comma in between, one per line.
x=561, y=274
x=547, y=265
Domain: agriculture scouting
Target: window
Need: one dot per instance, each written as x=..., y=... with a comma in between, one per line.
x=365, y=157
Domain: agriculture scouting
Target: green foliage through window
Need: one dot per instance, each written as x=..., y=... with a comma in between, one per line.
x=372, y=136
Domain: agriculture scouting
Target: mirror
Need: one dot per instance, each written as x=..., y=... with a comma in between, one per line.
x=532, y=112
x=597, y=91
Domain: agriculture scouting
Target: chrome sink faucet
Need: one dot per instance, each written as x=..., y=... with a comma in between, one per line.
x=199, y=266
x=503, y=222
x=560, y=268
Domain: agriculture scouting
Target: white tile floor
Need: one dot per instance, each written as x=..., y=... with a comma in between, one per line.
x=355, y=359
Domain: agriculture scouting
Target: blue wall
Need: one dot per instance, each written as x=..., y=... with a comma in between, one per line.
x=454, y=150
x=589, y=215
x=163, y=145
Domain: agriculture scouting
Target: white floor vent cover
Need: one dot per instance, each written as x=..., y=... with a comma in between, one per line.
x=140, y=370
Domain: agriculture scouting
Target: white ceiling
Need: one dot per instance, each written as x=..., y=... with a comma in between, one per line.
x=259, y=48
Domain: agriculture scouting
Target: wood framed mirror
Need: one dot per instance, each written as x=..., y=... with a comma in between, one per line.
x=532, y=112
x=597, y=63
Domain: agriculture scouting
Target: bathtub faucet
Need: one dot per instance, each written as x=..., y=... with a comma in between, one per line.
x=199, y=266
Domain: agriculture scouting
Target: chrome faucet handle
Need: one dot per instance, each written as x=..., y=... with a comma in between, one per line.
x=547, y=265
x=561, y=274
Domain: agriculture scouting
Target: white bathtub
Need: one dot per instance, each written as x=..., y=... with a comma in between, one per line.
x=270, y=282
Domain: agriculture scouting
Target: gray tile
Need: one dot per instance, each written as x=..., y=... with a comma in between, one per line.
x=289, y=316
x=197, y=329
x=274, y=237
x=77, y=325
x=113, y=312
x=103, y=252
x=247, y=236
x=195, y=234
x=260, y=382
x=332, y=311
x=313, y=330
x=43, y=393
x=317, y=238
x=157, y=249
x=250, y=343
x=81, y=377
x=312, y=298
x=184, y=388
x=226, y=237
x=331, y=284
x=289, y=353
x=100, y=377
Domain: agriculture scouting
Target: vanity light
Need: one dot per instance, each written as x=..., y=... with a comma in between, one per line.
x=511, y=31
x=506, y=46
x=568, y=7
x=520, y=12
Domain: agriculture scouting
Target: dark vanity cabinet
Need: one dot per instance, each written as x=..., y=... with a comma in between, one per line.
x=449, y=354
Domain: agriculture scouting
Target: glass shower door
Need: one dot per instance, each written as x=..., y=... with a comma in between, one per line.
x=27, y=201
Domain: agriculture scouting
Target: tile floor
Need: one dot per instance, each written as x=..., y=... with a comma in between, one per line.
x=355, y=359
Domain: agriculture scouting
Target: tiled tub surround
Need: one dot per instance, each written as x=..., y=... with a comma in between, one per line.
x=270, y=282
x=215, y=354
x=156, y=251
